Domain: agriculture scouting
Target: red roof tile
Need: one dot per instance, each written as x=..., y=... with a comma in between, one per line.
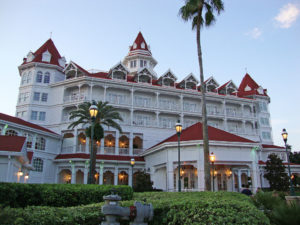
x=29, y=156
x=11, y=143
x=48, y=45
x=16, y=120
x=195, y=132
x=272, y=146
x=104, y=157
x=248, y=81
x=138, y=41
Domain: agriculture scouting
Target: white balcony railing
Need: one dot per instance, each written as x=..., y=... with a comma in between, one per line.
x=144, y=123
x=137, y=151
x=123, y=151
x=174, y=107
x=80, y=148
x=109, y=150
x=67, y=149
x=75, y=98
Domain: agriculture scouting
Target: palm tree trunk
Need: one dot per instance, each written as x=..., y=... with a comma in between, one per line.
x=204, y=112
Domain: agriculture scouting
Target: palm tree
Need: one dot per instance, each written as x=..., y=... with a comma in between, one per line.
x=192, y=10
x=107, y=115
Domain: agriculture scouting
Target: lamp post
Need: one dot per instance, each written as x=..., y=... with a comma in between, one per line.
x=284, y=136
x=132, y=162
x=93, y=113
x=212, y=158
x=178, y=128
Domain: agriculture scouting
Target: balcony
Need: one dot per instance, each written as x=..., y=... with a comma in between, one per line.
x=144, y=104
x=123, y=151
x=76, y=98
x=172, y=107
x=213, y=112
x=137, y=151
x=234, y=114
x=236, y=130
x=144, y=123
x=81, y=148
x=192, y=110
x=109, y=150
x=66, y=118
x=67, y=149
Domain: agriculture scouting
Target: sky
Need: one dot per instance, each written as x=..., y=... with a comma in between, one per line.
x=254, y=36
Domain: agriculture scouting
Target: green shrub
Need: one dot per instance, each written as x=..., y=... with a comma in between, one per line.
x=286, y=215
x=169, y=208
x=267, y=201
x=22, y=195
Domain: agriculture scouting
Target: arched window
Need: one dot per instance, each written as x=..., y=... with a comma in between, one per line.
x=38, y=164
x=28, y=140
x=11, y=133
x=39, y=77
x=47, y=78
x=40, y=143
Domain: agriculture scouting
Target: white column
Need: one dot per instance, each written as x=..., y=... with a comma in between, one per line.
x=116, y=173
x=244, y=126
x=102, y=146
x=130, y=176
x=117, y=142
x=242, y=110
x=85, y=172
x=131, y=117
x=170, y=176
x=157, y=118
x=239, y=180
x=87, y=145
x=91, y=93
x=8, y=174
x=75, y=140
x=104, y=94
x=157, y=100
x=131, y=143
x=101, y=174
x=73, y=177
x=132, y=97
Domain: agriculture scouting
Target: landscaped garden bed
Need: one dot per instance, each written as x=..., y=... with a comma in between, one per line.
x=169, y=208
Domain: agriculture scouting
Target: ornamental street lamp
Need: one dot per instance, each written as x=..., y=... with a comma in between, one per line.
x=178, y=128
x=132, y=162
x=212, y=158
x=284, y=136
x=93, y=113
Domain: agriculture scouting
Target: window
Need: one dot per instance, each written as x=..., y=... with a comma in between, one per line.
x=38, y=164
x=145, y=63
x=33, y=115
x=40, y=143
x=26, y=96
x=24, y=78
x=11, y=133
x=117, y=98
x=266, y=135
x=262, y=107
x=36, y=96
x=134, y=63
x=131, y=64
x=42, y=116
x=23, y=114
x=39, y=77
x=141, y=63
x=47, y=78
x=28, y=78
x=166, y=122
x=142, y=101
x=28, y=140
x=44, y=97
x=264, y=121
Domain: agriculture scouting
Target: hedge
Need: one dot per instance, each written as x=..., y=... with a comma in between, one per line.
x=59, y=195
x=169, y=208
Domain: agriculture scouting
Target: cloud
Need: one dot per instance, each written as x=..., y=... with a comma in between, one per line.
x=287, y=16
x=254, y=33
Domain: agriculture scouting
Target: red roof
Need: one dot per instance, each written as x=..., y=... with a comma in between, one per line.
x=104, y=157
x=138, y=42
x=248, y=81
x=48, y=45
x=195, y=132
x=29, y=156
x=272, y=146
x=16, y=120
x=11, y=143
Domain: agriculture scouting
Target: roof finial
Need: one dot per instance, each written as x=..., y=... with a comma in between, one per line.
x=246, y=69
x=50, y=34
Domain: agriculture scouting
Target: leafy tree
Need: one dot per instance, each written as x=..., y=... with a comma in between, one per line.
x=295, y=157
x=107, y=115
x=275, y=174
x=142, y=182
x=194, y=10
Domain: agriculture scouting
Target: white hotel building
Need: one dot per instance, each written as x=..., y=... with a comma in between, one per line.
x=150, y=105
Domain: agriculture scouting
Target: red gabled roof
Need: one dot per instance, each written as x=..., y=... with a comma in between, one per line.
x=138, y=41
x=104, y=157
x=11, y=143
x=248, y=81
x=195, y=132
x=272, y=146
x=29, y=156
x=223, y=86
x=16, y=120
x=48, y=45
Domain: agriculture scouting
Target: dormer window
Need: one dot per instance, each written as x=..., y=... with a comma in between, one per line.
x=167, y=79
x=247, y=88
x=119, y=72
x=134, y=45
x=189, y=82
x=143, y=45
x=144, y=76
x=46, y=56
x=211, y=84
